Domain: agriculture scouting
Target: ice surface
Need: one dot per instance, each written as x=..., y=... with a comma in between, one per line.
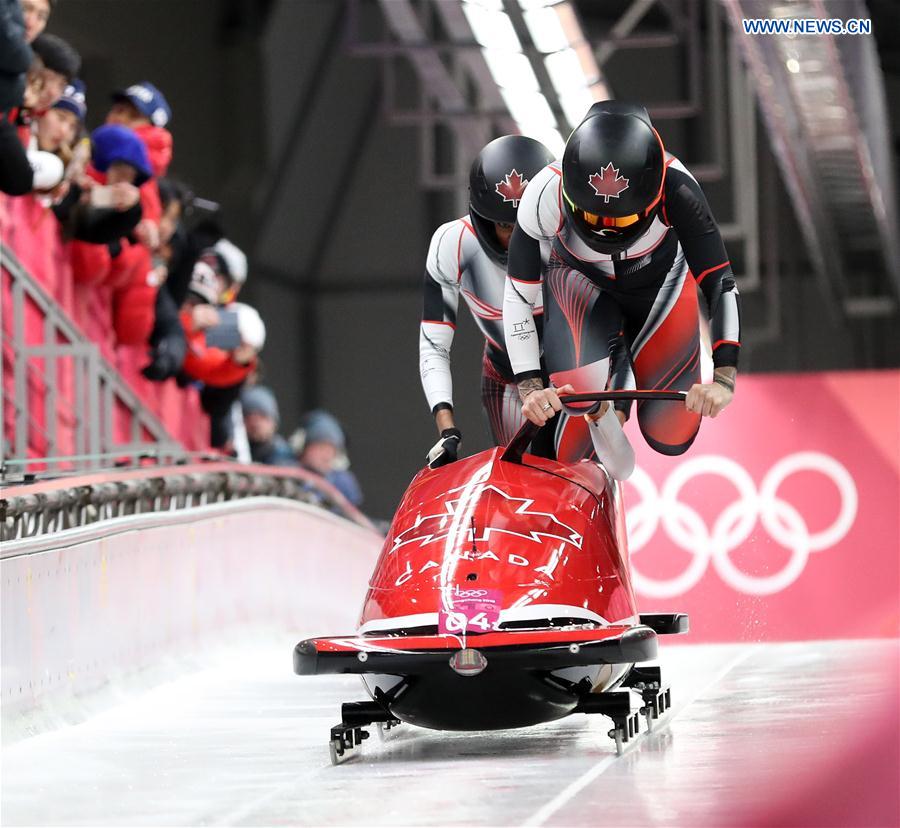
x=244, y=742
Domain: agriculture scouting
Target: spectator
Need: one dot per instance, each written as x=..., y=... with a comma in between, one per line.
x=230, y=265
x=61, y=64
x=103, y=205
x=218, y=355
x=261, y=421
x=168, y=345
x=16, y=58
x=53, y=63
x=37, y=15
x=59, y=127
x=143, y=108
x=320, y=447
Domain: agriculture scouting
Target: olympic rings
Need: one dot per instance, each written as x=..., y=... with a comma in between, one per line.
x=734, y=525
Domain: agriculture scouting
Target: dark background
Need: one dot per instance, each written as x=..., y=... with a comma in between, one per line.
x=278, y=116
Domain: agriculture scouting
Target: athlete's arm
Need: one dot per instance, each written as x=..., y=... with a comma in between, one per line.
x=538, y=219
x=687, y=210
x=440, y=304
x=523, y=285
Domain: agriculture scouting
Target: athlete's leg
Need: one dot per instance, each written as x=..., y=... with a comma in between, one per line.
x=580, y=323
x=665, y=349
x=501, y=404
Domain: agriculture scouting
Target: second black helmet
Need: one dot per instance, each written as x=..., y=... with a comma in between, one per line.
x=497, y=182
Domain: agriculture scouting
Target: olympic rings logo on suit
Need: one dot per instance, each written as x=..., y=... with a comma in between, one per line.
x=734, y=525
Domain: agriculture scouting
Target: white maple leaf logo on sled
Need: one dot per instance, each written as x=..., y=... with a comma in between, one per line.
x=438, y=527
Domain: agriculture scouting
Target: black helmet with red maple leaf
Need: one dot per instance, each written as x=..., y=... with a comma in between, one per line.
x=613, y=172
x=497, y=181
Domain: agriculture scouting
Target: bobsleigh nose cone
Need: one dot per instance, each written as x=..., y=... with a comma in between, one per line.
x=468, y=662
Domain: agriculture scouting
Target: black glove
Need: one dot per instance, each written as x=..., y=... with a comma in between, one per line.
x=446, y=449
x=167, y=358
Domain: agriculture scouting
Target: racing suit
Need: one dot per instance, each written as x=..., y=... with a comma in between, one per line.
x=457, y=264
x=647, y=291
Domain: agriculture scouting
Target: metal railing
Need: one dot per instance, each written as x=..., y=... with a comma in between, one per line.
x=31, y=511
x=64, y=378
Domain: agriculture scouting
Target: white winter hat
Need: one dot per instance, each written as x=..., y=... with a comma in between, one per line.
x=48, y=169
x=250, y=325
x=234, y=259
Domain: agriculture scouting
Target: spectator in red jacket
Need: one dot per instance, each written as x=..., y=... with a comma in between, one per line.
x=143, y=108
x=104, y=206
x=218, y=367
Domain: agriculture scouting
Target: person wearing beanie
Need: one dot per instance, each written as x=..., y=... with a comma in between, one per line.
x=58, y=127
x=116, y=148
x=261, y=419
x=143, y=108
x=216, y=355
x=61, y=64
x=103, y=206
x=320, y=447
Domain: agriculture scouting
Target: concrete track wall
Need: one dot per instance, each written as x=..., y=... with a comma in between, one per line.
x=84, y=607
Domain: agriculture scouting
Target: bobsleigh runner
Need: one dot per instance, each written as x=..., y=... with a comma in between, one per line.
x=502, y=598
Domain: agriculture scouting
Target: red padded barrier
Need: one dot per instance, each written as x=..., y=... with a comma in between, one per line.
x=32, y=232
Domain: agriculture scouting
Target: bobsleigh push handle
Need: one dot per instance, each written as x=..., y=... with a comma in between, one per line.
x=523, y=437
x=601, y=396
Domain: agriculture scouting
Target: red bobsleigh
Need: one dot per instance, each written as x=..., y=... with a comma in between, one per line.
x=502, y=598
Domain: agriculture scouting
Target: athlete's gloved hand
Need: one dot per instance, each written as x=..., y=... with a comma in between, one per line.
x=446, y=449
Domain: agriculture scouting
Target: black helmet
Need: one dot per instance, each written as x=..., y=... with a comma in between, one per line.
x=496, y=183
x=612, y=175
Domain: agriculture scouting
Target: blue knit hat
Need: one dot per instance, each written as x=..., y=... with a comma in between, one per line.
x=322, y=427
x=257, y=399
x=73, y=99
x=148, y=100
x=112, y=143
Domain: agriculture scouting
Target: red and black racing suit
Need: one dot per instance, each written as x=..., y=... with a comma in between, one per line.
x=648, y=292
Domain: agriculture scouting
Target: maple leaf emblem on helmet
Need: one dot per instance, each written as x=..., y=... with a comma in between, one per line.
x=608, y=183
x=511, y=187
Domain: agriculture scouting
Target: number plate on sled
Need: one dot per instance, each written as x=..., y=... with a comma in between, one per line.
x=470, y=610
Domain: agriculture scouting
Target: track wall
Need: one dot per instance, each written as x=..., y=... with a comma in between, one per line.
x=85, y=606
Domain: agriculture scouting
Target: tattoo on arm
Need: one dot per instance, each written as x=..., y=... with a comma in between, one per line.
x=726, y=376
x=528, y=385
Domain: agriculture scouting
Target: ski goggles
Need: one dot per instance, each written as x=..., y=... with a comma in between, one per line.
x=596, y=220
x=605, y=221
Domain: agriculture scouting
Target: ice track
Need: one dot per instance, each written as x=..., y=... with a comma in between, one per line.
x=243, y=742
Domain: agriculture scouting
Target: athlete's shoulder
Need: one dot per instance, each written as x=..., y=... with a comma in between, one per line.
x=684, y=206
x=447, y=248
x=540, y=211
x=677, y=174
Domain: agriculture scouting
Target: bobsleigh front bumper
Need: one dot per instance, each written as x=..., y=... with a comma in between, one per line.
x=526, y=649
